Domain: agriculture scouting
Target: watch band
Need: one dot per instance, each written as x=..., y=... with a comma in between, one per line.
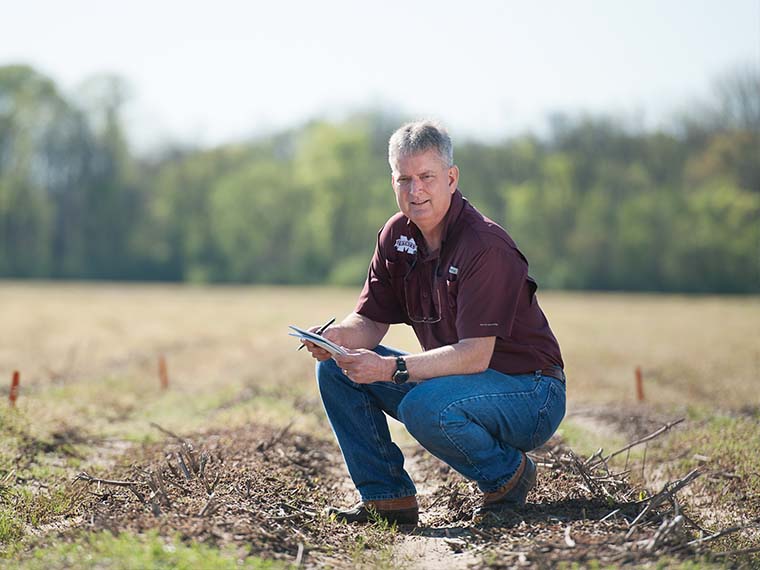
x=401, y=374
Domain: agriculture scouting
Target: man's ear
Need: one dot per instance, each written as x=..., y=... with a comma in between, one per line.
x=453, y=178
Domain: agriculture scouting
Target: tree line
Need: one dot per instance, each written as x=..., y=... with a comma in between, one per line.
x=595, y=204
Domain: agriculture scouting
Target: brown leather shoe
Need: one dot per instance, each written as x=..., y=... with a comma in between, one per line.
x=399, y=511
x=512, y=494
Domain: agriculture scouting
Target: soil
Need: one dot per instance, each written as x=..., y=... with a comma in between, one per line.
x=264, y=491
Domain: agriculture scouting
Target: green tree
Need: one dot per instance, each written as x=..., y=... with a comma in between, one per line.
x=32, y=116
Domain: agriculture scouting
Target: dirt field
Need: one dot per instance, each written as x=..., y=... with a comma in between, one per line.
x=235, y=453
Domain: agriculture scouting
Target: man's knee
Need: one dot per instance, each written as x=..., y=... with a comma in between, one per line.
x=327, y=370
x=330, y=376
x=419, y=412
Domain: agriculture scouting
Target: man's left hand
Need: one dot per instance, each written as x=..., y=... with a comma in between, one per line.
x=364, y=366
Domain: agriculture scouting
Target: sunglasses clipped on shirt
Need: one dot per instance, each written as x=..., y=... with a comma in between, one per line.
x=436, y=309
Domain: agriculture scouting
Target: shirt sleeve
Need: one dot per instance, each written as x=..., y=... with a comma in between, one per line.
x=378, y=300
x=489, y=293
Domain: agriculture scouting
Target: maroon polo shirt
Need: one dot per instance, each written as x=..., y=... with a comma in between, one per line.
x=475, y=285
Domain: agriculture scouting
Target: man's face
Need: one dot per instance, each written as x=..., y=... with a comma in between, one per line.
x=423, y=185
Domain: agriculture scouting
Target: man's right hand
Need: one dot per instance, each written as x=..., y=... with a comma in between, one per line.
x=355, y=331
x=332, y=333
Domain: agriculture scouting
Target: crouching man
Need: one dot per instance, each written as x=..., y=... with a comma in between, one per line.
x=488, y=384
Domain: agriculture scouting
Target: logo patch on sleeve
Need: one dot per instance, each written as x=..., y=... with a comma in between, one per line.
x=406, y=245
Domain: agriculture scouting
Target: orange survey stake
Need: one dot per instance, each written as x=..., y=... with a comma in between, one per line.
x=639, y=385
x=163, y=373
x=13, y=396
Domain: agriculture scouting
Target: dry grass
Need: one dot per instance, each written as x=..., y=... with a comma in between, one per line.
x=94, y=349
x=692, y=350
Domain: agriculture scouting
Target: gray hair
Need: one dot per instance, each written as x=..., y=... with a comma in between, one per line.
x=420, y=136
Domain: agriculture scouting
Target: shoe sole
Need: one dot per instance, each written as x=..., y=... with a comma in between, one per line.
x=364, y=516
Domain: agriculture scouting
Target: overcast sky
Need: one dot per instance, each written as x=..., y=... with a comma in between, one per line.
x=210, y=72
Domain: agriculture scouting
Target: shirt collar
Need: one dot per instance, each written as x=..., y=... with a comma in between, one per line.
x=449, y=220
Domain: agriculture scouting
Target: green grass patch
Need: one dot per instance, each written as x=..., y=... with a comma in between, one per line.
x=124, y=408
x=373, y=546
x=11, y=527
x=726, y=446
x=45, y=505
x=104, y=551
x=584, y=439
x=35, y=475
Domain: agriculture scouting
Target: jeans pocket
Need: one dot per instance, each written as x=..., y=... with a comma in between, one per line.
x=550, y=415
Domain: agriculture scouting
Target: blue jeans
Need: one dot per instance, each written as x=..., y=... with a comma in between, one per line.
x=479, y=424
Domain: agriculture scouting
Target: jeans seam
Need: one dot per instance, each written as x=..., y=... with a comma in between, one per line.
x=375, y=432
x=378, y=440
x=543, y=413
x=442, y=427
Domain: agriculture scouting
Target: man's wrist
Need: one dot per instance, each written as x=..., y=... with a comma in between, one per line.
x=390, y=367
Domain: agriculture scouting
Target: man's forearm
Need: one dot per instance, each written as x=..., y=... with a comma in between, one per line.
x=357, y=331
x=468, y=356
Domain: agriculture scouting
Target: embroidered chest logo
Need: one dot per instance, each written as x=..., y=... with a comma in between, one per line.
x=405, y=244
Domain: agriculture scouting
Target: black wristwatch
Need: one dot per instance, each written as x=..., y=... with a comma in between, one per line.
x=401, y=374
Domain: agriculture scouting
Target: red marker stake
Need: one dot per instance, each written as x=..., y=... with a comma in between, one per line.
x=163, y=374
x=639, y=385
x=13, y=396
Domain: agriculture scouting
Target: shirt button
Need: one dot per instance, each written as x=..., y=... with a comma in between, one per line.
x=424, y=295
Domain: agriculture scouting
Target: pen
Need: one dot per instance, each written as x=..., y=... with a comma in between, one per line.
x=321, y=329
